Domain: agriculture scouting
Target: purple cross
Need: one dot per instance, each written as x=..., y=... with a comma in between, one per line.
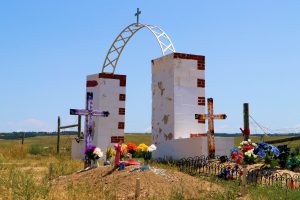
x=88, y=113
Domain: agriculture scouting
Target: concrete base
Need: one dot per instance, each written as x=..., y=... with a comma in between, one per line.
x=191, y=147
x=77, y=150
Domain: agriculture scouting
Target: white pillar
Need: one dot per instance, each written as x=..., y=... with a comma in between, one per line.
x=178, y=93
x=109, y=95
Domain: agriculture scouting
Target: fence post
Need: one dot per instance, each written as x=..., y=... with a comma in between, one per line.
x=137, y=188
x=244, y=181
x=246, y=121
x=58, y=134
x=79, y=125
x=23, y=136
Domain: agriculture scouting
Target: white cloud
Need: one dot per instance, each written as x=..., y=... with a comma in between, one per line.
x=34, y=123
x=148, y=130
x=30, y=124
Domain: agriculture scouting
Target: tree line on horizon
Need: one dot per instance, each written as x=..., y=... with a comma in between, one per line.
x=18, y=135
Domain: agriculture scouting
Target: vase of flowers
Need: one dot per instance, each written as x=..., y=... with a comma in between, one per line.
x=244, y=154
x=146, y=152
x=110, y=152
x=268, y=153
x=92, y=154
x=131, y=148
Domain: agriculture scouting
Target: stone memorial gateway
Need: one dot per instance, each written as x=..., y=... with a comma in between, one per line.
x=178, y=94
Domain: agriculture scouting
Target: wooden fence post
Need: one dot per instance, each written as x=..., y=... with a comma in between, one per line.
x=137, y=188
x=246, y=121
x=58, y=134
x=79, y=126
x=23, y=136
x=244, y=181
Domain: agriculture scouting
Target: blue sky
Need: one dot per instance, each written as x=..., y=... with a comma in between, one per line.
x=47, y=48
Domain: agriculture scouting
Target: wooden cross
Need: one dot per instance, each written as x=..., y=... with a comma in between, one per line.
x=211, y=132
x=138, y=12
x=88, y=113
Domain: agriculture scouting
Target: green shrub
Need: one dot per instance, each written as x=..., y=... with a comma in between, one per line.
x=35, y=149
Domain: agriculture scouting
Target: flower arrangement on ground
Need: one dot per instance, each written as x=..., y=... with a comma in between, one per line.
x=93, y=153
x=293, y=163
x=131, y=148
x=146, y=151
x=245, y=153
x=268, y=153
x=228, y=172
x=110, y=152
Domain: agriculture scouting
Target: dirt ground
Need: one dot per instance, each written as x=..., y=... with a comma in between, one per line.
x=154, y=183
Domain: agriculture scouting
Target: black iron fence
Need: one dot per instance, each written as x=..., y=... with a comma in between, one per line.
x=202, y=165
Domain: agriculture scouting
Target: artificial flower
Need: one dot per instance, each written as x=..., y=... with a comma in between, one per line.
x=98, y=152
x=151, y=148
x=131, y=148
x=275, y=150
x=142, y=148
x=124, y=148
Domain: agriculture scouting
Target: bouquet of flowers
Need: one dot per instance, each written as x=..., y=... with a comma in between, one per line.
x=268, y=153
x=93, y=153
x=146, y=150
x=293, y=163
x=244, y=153
x=131, y=148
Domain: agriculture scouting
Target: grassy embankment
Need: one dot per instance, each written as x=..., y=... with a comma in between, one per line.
x=25, y=171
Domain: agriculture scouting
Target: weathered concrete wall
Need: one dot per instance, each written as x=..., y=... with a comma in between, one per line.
x=176, y=96
x=191, y=147
x=77, y=152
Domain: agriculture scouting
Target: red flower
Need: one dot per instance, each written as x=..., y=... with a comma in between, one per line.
x=247, y=147
x=234, y=155
x=131, y=147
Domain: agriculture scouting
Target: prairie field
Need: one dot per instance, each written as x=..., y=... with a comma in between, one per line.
x=35, y=171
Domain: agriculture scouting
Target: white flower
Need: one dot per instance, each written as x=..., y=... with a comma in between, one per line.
x=255, y=145
x=249, y=140
x=249, y=153
x=239, y=147
x=151, y=148
x=98, y=152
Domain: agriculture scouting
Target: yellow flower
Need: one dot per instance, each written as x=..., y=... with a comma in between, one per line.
x=124, y=148
x=142, y=147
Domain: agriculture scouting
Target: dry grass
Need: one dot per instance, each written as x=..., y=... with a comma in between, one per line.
x=35, y=171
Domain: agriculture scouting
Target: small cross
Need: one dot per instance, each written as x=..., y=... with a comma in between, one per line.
x=138, y=12
x=211, y=131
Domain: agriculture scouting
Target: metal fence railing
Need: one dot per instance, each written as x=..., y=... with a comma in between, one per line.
x=201, y=165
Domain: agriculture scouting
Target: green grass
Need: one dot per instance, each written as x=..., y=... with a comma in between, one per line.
x=138, y=138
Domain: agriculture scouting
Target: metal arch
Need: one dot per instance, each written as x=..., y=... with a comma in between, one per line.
x=115, y=51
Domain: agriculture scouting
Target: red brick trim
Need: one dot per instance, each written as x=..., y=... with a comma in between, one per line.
x=201, y=101
x=200, y=59
x=197, y=135
x=122, y=78
x=121, y=111
x=122, y=97
x=121, y=125
x=201, y=121
x=116, y=139
x=201, y=83
x=91, y=83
